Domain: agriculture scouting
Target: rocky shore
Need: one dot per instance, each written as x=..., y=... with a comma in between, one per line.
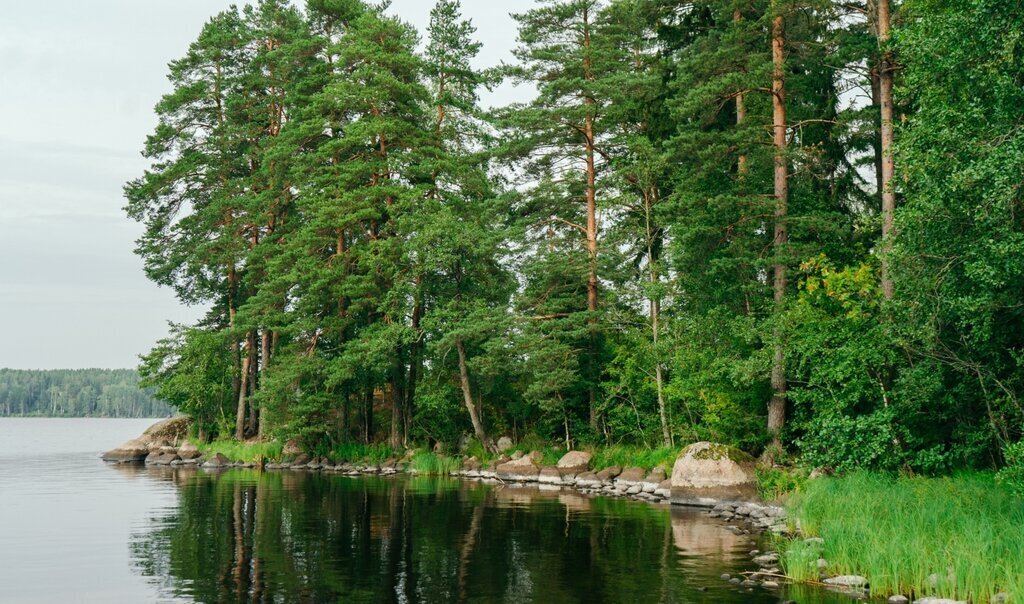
x=711, y=476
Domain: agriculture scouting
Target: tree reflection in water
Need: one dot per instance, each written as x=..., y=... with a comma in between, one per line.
x=243, y=536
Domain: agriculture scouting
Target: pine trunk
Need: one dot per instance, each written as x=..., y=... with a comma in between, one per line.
x=777, y=405
x=885, y=84
x=592, y=281
x=243, y=390
x=467, y=396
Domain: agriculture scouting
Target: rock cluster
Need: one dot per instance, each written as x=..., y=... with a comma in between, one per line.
x=760, y=516
x=155, y=445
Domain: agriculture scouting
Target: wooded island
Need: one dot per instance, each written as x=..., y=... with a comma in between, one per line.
x=792, y=227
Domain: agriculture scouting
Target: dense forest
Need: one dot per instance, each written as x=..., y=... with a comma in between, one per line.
x=76, y=393
x=792, y=226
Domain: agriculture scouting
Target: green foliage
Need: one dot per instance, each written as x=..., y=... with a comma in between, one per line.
x=774, y=483
x=191, y=371
x=956, y=537
x=382, y=259
x=1013, y=474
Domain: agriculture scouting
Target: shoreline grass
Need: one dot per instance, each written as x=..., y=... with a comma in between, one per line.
x=245, y=452
x=957, y=537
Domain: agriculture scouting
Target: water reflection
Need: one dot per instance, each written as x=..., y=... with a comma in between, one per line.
x=240, y=536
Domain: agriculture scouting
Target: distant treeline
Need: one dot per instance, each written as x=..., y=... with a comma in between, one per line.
x=76, y=393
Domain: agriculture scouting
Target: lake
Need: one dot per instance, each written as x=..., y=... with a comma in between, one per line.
x=74, y=529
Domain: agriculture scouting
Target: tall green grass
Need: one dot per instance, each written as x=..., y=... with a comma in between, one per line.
x=358, y=452
x=959, y=537
x=242, y=451
x=639, y=457
x=433, y=465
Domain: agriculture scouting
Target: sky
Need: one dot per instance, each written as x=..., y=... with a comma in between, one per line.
x=79, y=81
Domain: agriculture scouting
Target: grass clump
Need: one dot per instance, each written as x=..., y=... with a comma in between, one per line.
x=957, y=537
x=245, y=452
x=432, y=464
x=358, y=452
x=639, y=457
x=775, y=483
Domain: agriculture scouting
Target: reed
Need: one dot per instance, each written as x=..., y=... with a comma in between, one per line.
x=956, y=537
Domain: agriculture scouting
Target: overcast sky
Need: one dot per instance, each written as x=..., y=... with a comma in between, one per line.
x=78, y=80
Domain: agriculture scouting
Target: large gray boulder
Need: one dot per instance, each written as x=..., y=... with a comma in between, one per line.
x=708, y=473
x=162, y=457
x=188, y=451
x=574, y=462
x=133, y=451
x=505, y=444
x=218, y=460
x=522, y=469
x=174, y=429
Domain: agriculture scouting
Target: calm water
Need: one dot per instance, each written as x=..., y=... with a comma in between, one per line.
x=73, y=529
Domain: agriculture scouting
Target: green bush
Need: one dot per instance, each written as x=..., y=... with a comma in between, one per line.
x=773, y=483
x=1013, y=474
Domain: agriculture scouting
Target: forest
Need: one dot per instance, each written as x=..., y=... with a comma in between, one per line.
x=76, y=393
x=790, y=226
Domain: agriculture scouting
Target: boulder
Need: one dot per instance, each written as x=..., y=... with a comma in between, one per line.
x=188, y=451
x=574, y=462
x=291, y=449
x=504, y=444
x=657, y=475
x=536, y=456
x=174, y=429
x=587, y=480
x=549, y=475
x=518, y=469
x=163, y=457
x=708, y=473
x=301, y=460
x=631, y=476
x=609, y=473
x=471, y=465
x=133, y=451
x=217, y=460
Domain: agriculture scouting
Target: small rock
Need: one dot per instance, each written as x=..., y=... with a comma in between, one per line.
x=855, y=581
x=609, y=473
x=218, y=460
x=898, y=600
x=765, y=560
x=770, y=584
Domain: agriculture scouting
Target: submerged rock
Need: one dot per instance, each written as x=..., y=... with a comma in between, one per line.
x=218, y=460
x=854, y=581
x=163, y=457
x=706, y=473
